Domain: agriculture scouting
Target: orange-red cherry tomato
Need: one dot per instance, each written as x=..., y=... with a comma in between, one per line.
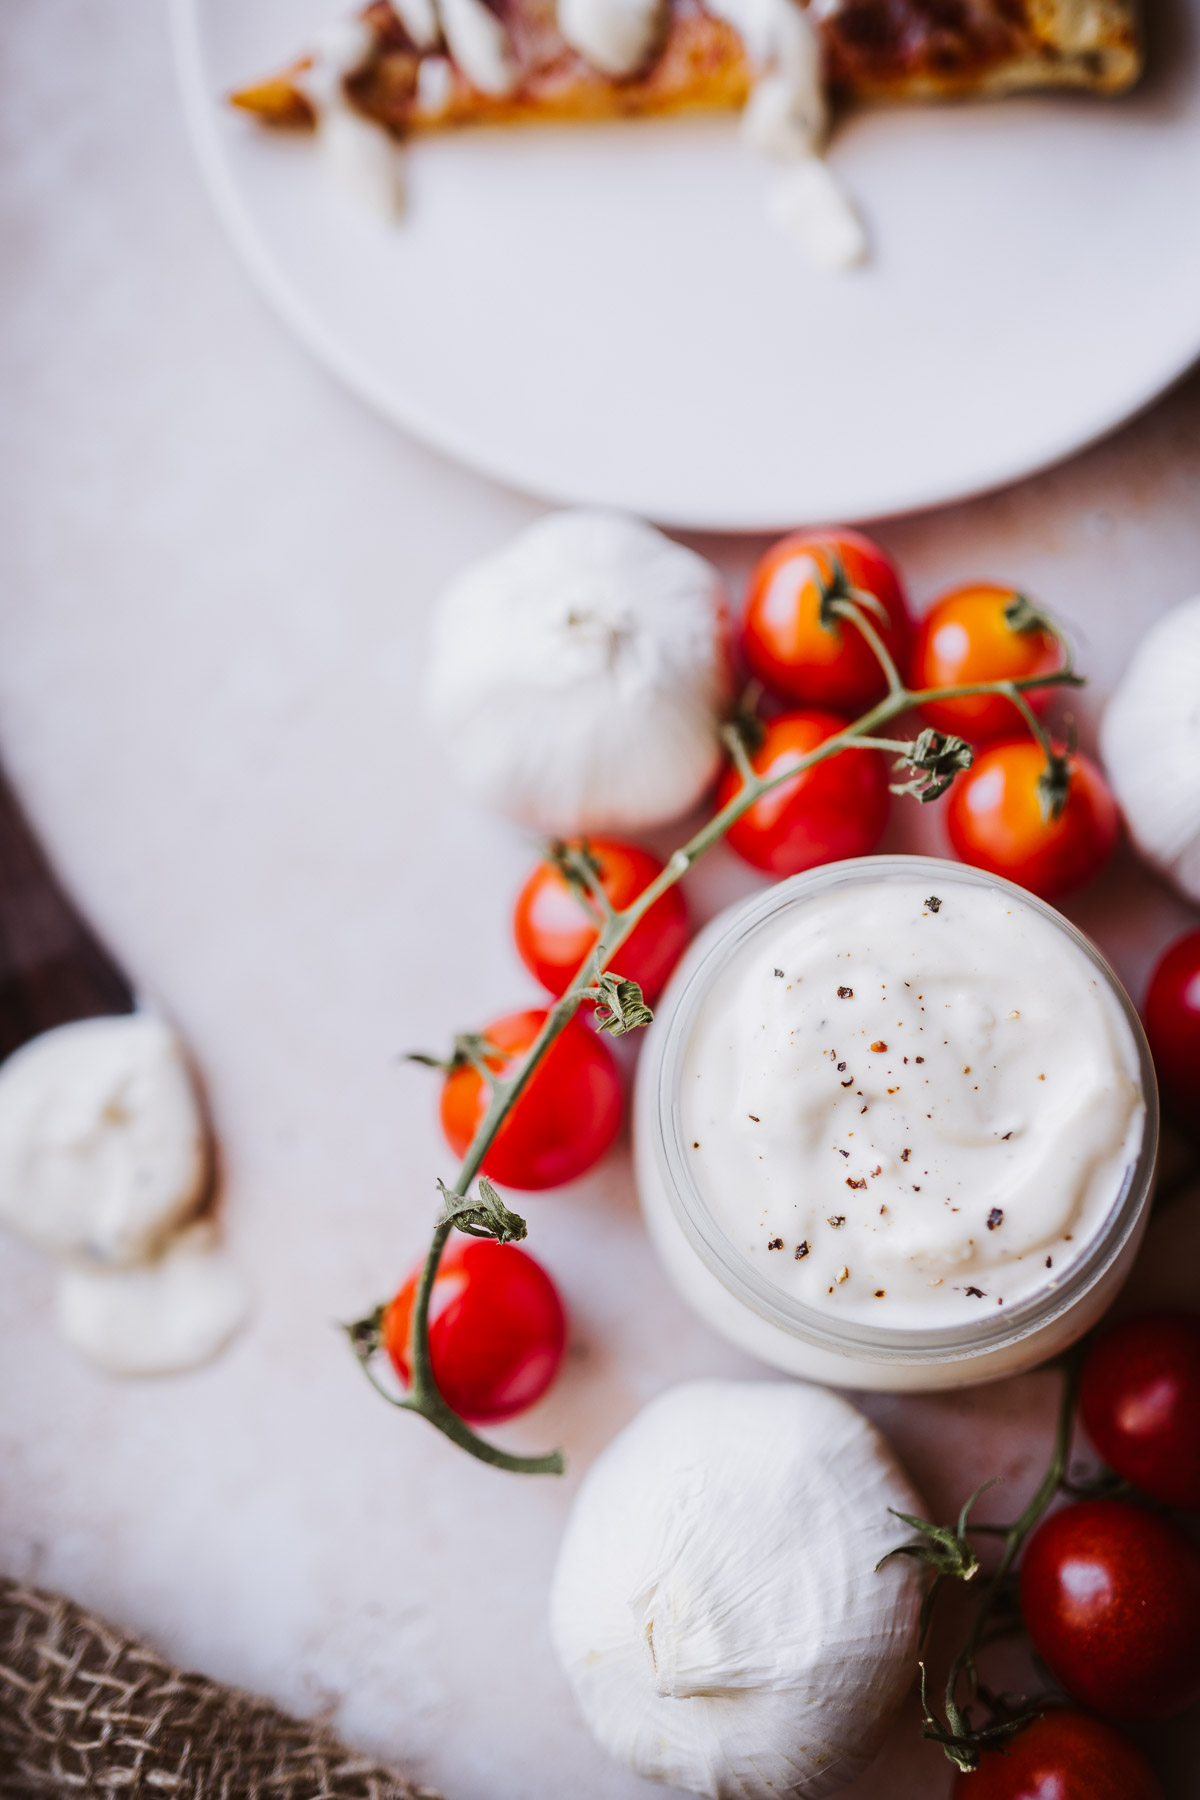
x=497, y=1329
x=1063, y=1755
x=784, y=641
x=554, y=931
x=994, y=818
x=964, y=638
x=563, y=1122
x=836, y=808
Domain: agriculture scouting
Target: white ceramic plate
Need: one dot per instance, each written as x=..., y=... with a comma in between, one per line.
x=605, y=315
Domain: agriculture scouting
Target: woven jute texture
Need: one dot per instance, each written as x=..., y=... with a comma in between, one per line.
x=86, y=1710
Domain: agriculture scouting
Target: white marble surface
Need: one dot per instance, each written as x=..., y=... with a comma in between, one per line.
x=215, y=570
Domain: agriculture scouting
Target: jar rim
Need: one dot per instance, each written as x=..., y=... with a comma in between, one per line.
x=711, y=952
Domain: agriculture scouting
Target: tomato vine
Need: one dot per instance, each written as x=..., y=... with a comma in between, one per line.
x=930, y=762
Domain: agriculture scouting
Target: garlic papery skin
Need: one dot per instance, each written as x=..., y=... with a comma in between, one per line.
x=103, y=1146
x=1150, y=743
x=159, y=1318
x=579, y=676
x=715, y=1604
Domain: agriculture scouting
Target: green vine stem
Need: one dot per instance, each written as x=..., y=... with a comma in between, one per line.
x=932, y=758
x=947, y=1552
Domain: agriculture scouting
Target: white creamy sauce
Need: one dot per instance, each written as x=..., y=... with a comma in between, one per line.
x=419, y=18
x=615, y=36
x=479, y=45
x=159, y=1318
x=812, y=206
x=360, y=157
x=908, y=1114
x=103, y=1148
x=787, y=118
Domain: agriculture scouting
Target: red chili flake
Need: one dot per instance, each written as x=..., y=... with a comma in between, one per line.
x=849, y=1081
x=977, y=1293
x=994, y=1217
x=862, y=1109
x=838, y=1219
x=916, y=1189
x=755, y=1117
x=845, y=993
x=695, y=1143
x=920, y=1059
x=878, y=1170
x=1049, y=1262
x=1006, y=1137
x=905, y=1154
x=879, y=1045
x=851, y=1182
x=841, y=1068
x=879, y=1293
x=840, y=1151
x=802, y=1251
x=775, y=1244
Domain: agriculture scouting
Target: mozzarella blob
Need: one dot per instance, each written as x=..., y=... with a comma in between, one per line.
x=103, y=1147
x=159, y=1318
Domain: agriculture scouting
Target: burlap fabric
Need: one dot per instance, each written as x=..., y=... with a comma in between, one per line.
x=86, y=1710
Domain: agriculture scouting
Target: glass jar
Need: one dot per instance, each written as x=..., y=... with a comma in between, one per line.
x=726, y=1289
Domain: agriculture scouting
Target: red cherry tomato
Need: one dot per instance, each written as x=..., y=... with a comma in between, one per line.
x=788, y=648
x=1111, y=1598
x=1172, y=1013
x=554, y=931
x=964, y=638
x=497, y=1329
x=564, y=1121
x=1064, y=1755
x=1140, y=1401
x=837, y=808
x=994, y=819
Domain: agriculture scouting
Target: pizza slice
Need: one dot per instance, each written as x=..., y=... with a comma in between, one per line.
x=413, y=68
x=407, y=66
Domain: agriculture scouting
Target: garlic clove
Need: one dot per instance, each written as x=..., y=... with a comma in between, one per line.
x=1150, y=744
x=579, y=675
x=715, y=1605
x=160, y=1317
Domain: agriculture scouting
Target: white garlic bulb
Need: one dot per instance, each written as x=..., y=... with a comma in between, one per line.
x=1150, y=742
x=579, y=675
x=715, y=1605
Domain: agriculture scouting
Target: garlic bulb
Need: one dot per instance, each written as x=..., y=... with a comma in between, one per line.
x=103, y=1147
x=1150, y=742
x=715, y=1606
x=579, y=675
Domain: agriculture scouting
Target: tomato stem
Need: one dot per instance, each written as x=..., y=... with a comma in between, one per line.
x=614, y=926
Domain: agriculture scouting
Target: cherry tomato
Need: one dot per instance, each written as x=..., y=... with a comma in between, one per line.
x=497, y=1329
x=837, y=808
x=554, y=931
x=1063, y=1755
x=788, y=648
x=1111, y=1598
x=963, y=638
x=564, y=1121
x=1172, y=1013
x=994, y=818
x=1140, y=1401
